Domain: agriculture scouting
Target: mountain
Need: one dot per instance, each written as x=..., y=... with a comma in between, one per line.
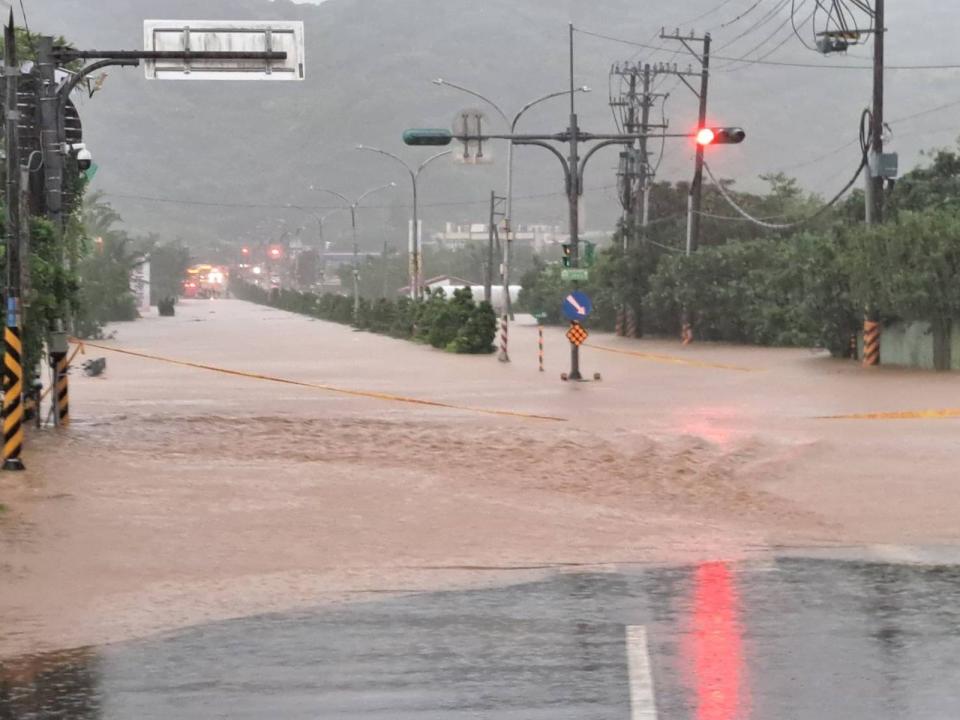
x=369, y=66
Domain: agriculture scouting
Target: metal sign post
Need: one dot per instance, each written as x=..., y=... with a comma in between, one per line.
x=577, y=306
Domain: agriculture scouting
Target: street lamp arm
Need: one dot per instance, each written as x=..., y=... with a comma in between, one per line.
x=548, y=96
x=371, y=191
x=468, y=91
x=551, y=148
x=583, y=162
x=345, y=199
x=388, y=154
x=430, y=160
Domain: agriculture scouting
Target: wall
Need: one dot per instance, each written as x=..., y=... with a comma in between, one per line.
x=911, y=345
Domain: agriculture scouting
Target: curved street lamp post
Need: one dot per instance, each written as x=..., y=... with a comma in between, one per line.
x=352, y=207
x=416, y=259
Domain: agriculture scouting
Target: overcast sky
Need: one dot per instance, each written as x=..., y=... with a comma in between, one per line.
x=800, y=120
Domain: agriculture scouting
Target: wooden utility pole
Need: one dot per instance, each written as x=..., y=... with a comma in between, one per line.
x=875, y=178
x=695, y=199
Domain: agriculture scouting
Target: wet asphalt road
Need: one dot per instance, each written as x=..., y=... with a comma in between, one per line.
x=794, y=638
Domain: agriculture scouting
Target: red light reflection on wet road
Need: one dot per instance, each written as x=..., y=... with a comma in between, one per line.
x=716, y=648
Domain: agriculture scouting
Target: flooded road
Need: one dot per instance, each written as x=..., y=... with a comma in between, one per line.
x=791, y=638
x=183, y=496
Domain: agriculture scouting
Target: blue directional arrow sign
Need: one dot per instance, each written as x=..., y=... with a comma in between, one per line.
x=577, y=306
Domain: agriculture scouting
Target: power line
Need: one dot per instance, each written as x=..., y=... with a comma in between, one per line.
x=777, y=63
x=277, y=206
x=23, y=12
x=770, y=15
x=739, y=17
x=765, y=41
x=785, y=226
x=894, y=121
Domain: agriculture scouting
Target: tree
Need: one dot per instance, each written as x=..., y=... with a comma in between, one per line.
x=910, y=269
x=104, y=273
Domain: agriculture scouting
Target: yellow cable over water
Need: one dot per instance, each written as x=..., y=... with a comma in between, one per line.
x=321, y=386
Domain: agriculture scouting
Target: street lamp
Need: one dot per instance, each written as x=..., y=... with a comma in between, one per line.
x=352, y=207
x=507, y=220
x=414, y=247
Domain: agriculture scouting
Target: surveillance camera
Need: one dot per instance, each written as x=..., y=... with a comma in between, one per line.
x=84, y=158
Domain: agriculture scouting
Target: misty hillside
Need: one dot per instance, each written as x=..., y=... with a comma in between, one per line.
x=369, y=67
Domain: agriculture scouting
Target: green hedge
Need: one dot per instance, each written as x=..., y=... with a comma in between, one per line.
x=456, y=325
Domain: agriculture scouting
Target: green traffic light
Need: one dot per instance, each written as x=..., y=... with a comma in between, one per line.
x=427, y=136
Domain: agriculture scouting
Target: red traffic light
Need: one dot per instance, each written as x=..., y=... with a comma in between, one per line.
x=245, y=251
x=705, y=136
x=719, y=136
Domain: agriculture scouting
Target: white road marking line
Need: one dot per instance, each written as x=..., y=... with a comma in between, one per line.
x=643, y=705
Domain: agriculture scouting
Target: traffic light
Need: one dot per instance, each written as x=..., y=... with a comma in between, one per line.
x=427, y=136
x=567, y=249
x=245, y=251
x=720, y=136
x=589, y=254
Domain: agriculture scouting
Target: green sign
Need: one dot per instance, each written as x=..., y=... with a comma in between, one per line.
x=589, y=254
x=427, y=136
x=581, y=274
x=91, y=171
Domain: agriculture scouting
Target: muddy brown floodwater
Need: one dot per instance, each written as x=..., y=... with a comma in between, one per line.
x=181, y=495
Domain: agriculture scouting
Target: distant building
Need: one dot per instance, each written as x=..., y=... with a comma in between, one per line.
x=449, y=283
x=539, y=237
x=457, y=237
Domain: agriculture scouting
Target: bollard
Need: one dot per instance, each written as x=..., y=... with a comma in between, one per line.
x=59, y=347
x=540, y=345
x=871, y=343
x=63, y=391
x=631, y=323
x=504, y=324
x=13, y=398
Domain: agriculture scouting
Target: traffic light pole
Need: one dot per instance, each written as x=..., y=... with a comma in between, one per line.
x=574, y=179
x=695, y=198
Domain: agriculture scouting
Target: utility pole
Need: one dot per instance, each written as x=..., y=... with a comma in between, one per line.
x=488, y=273
x=695, y=198
x=493, y=242
x=635, y=173
x=645, y=174
x=875, y=177
x=13, y=410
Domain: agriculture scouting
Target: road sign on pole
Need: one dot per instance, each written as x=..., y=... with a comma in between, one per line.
x=470, y=123
x=200, y=36
x=576, y=334
x=577, y=306
x=578, y=274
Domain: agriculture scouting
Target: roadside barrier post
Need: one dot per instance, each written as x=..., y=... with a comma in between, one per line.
x=871, y=343
x=13, y=388
x=504, y=329
x=61, y=386
x=540, y=345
